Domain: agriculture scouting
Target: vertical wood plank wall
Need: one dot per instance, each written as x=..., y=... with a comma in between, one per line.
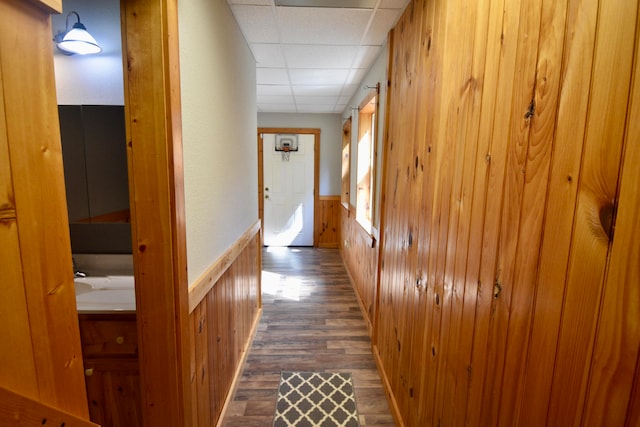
x=327, y=227
x=360, y=256
x=221, y=328
x=509, y=283
x=40, y=354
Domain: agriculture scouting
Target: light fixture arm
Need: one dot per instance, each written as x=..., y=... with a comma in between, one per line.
x=66, y=28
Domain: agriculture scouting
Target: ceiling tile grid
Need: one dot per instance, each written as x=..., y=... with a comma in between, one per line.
x=312, y=59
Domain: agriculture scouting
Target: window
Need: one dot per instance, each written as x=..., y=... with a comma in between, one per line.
x=365, y=178
x=346, y=162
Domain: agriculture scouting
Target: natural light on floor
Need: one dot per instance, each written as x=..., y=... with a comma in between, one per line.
x=281, y=285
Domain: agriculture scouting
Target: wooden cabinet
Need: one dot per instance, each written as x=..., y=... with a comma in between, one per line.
x=112, y=374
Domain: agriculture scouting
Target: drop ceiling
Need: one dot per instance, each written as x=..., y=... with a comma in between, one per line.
x=312, y=57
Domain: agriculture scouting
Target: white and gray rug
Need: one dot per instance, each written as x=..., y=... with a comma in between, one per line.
x=316, y=399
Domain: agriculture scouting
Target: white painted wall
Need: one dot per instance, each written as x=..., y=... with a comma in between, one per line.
x=376, y=74
x=218, y=113
x=219, y=122
x=330, y=143
x=91, y=79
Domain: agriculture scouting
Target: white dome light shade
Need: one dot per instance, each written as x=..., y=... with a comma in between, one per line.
x=77, y=39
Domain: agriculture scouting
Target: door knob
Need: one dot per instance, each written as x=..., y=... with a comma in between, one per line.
x=266, y=197
x=266, y=189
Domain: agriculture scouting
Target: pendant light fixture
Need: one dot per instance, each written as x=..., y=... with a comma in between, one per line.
x=77, y=39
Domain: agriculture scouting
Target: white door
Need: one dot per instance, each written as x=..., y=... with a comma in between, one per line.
x=288, y=193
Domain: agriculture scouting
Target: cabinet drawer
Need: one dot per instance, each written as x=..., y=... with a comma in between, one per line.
x=104, y=336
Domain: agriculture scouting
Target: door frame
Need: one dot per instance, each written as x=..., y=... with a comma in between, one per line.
x=316, y=173
x=156, y=193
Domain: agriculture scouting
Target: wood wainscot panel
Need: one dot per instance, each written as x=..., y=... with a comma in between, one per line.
x=328, y=222
x=207, y=280
x=360, y=256
x=222, y=324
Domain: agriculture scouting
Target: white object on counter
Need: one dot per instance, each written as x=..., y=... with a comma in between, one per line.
x=105, y=293
x=109, y=284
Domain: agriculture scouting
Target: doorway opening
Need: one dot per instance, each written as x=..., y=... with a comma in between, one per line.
x=288, y=185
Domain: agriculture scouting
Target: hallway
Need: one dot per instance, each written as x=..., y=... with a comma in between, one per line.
x=311, y=321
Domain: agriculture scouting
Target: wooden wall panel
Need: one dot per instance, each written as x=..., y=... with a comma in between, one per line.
x=156, y=192
x=360, y=255
x=405, y=166
x=41, y=354
x=597, y=195
x=15, y=408
x=221, y=328
x=565, y=171
x=617, y=346
x=328, y=222
x=502, y=159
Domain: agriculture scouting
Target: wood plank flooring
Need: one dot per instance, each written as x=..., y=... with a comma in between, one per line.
x=311, y=322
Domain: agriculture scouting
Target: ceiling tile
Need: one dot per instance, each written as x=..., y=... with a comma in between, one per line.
x=366, y=56
x=277, y=108
x=314, y=108
x=318, y=76
x=317, y=90
x=349, y=90
x=254, y=2
x=312, y=59
x=319, y=56
x=393, y=4
x=307, y=25
x=272, y=76
x=320, y=100
x=383, y=21
x=257, y=23
x=356, y=75
x=268, y=55
x=351, y=4
x=273, y=90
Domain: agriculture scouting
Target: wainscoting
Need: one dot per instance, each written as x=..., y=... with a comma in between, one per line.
x=327, y=226
x=221, y=326
x=360, y=256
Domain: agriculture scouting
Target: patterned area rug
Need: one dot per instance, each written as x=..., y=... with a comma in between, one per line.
x=316, y=399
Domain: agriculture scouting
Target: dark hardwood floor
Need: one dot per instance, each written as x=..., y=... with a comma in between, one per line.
x=311, y=321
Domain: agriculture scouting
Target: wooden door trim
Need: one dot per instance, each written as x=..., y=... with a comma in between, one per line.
x=316, y=173
x=154, y=152
x=41, y=357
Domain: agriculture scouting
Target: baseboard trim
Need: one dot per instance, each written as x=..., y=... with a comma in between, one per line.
x=393, y=404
